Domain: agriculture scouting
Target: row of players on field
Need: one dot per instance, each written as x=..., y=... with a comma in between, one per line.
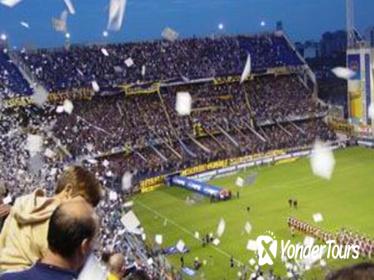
x=343, y=237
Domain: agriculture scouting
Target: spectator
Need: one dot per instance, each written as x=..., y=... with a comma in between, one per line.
x=23, y=238
x=116, y=266
x=4, y=208
x=71, y=236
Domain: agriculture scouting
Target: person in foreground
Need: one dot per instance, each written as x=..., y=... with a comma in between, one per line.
x=71, y=236
x=116, y=265
x=362, y=271
x=23, y=239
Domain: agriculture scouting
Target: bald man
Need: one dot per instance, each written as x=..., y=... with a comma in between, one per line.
x=71, y=236
x=116, y=265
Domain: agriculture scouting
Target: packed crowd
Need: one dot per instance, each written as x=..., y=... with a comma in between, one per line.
x=192, y=58
x=11, y=81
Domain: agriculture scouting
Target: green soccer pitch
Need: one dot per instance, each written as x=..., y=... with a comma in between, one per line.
x=347, y=200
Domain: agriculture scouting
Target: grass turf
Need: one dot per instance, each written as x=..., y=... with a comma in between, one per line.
x=344, y=201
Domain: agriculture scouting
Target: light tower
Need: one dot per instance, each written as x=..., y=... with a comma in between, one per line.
x=351, y=37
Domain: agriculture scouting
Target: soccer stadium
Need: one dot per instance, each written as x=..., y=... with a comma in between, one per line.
x=224, y=155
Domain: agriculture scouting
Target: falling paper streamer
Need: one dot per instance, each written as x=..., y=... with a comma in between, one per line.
x=104, y=52
x=95, y=86
x=183, y=104
x=252, y=245
x=371, y=111
x=25, y=24
x=10, y=3
x=70, y=6
x=68, y=106
x=221, y=227
x=239, y=182
x=129, y=62
x=216, y=242
x=169, y=34
x=248, y=227
x=322, y=160
x=126, y=181
x=180, y=246
x=144, y=236
x=116, y=14
x=143, y=70
x=7, y=200
x=158, y=239
x=343, y=73
x=317, y=217
x=247, y=69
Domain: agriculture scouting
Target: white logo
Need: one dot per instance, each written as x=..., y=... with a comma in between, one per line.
x=266, y=249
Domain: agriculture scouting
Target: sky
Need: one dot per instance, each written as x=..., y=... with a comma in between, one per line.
x=145, y=19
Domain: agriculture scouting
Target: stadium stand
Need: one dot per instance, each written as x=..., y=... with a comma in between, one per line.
x=134, y=127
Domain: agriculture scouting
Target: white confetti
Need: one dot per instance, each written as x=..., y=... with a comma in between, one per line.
x=105, y=163
x=113, y=196
x=252, y=262
x=216, y=241
x=49, y=153
x=95, y=86
x=10, y=3
x=34, y=143
x=252, y=245
x=60, y=24
x=317, y=217
x=322, y=160
x=105, y=33
x=40, y=95
x=126, y=181
x=322, y=263
x=371, y=111
x=248, y=227
x=25, y=24
x=8, y=199
x=239, y=182
x=129, y=62
x=60, y=109
x=68, y=106
x=158, y=239
x=246, y=70
x=70, y=6
x=308, y=241
x=130, y=222
x=169, y=34
x=150, y=261
x=343, y=73
x=144, y=236
x=116, y=14
x=128, y=204
x=221, y=227
x=183, y=103
x=180, y=246
x=104, y=52
x=197, y=235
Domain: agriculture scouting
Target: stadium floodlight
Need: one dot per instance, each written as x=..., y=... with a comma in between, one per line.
x=263, y=23
x=67, y=35
x=221, y=26
x=3, y=37
x=105, y=33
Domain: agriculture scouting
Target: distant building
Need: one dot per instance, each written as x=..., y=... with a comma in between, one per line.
x=333, y=43
x=309, y=49
x=279, y=26
x=369, y=35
